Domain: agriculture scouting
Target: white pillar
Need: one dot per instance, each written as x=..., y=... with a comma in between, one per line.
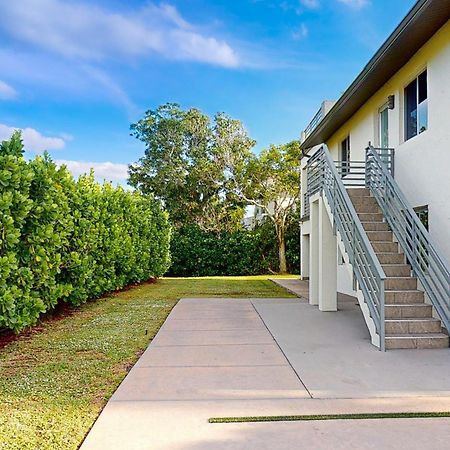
x=327, y=285
x=314, y=254
x=304, y=256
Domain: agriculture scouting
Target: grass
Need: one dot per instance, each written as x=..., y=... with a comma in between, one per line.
x=55, y=380
x=308, y=417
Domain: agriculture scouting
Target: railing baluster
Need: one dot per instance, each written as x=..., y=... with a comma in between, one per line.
x=324, y=175
x=427, y=264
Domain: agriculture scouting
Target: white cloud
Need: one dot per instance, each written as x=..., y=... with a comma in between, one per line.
x=115, y=92
x=33, y=140
x=357, y=4
x=88, y=32
x=77, y=80
x=7, y=92
x=66, y=136
x=300, y=33
x=311, y=4
x=103, y=170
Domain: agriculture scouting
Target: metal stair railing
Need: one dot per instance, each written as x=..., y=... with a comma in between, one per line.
x=427, y=264
x=322, y=175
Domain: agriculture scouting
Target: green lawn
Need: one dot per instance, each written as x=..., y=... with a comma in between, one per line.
x=54, y=383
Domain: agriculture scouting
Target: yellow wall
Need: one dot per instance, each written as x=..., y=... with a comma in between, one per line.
x=422, y=164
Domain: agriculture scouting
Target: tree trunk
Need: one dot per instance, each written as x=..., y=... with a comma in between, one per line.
x=281, y=250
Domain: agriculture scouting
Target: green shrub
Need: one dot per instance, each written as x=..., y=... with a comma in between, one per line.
x=268, y=244
x=244, y=252
x=199, y=253
x=71, y=240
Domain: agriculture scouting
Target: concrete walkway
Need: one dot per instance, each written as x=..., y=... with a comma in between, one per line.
x=218, y=357
x=298, y=287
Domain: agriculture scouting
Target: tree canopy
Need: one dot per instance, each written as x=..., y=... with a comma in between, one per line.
x=271, y=181
x=185, y=164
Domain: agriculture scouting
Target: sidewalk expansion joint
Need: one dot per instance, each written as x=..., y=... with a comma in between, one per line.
x=281, y=350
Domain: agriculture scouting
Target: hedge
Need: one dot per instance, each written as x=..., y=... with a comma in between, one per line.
x=70, y=240
x=200, y=253
x=243, y=252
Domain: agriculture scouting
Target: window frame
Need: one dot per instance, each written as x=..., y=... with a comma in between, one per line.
x=418, y=94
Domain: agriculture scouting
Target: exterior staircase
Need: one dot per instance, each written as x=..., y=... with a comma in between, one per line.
x=409, y=321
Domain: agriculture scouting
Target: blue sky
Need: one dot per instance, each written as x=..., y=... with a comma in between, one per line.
x=75, y=74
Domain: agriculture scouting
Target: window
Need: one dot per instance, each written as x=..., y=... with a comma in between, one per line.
x=416, y=106
x=345, y=156
x=383, y=127
x=422, y=213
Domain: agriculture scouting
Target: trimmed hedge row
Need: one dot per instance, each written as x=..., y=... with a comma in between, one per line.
x=196, y=252
x=67, y=239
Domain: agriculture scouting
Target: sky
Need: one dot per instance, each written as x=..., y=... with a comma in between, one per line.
x=75, y=74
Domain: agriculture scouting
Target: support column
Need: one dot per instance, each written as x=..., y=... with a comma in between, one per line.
x=314, y=254
x=304, y=256
x=327, y=263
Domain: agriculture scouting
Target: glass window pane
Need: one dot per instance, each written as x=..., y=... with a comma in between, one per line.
x=423, y=116
x=384, y=129
x=422, y=213
x=423, y=90
x=411, y=110
x=345, y=155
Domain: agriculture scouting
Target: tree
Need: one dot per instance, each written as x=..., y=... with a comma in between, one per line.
x=270, y=181
x=185, y=165
x=205, y=173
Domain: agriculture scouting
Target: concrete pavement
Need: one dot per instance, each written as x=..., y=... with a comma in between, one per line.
x=240, y=357
x=296, y=286
x=331, y=352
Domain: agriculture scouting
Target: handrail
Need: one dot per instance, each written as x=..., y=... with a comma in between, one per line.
x=422, y=254
x=323, y=176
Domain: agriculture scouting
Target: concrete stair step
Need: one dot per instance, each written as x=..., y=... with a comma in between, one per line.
x=358, y=192
x=400, y=283
x=361, y=201
x=368, y=207
x=375, y=226
x=408, y=311
x=370, y=217
x=391, y=258
x=417, y=340
x=411, y=326
x=380, y=236
x=403, y=297
x=385, y=247
x=397, y=270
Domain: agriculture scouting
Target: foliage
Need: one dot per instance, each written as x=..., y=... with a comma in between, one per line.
x=54, y=384
x=205, y=174
x=267, y=242
x=185, y=165
x=196, y=252
x=62, y=239
x=271, y=182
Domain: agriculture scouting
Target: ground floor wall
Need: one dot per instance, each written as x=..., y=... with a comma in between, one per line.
x=344, y=280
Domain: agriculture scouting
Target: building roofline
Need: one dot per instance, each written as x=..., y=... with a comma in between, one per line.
x=424, y=19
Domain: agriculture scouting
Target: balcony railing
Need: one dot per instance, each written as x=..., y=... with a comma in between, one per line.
x=314, y=122
x=352, y=173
